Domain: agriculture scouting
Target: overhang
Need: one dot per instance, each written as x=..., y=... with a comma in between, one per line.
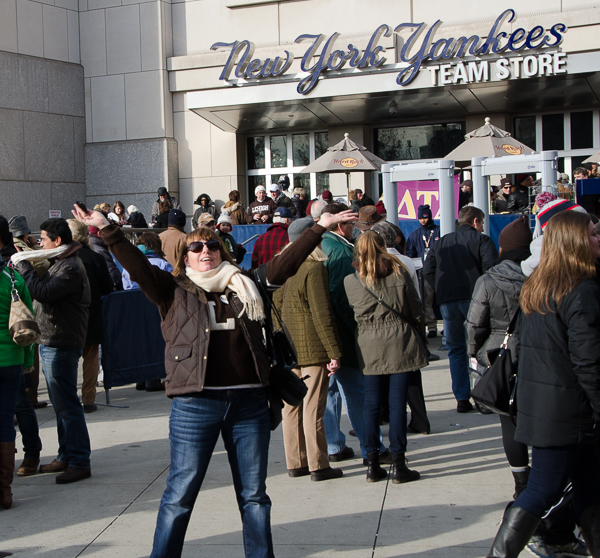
x=361, y=97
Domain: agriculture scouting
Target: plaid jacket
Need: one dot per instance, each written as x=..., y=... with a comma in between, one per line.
x=270, y=243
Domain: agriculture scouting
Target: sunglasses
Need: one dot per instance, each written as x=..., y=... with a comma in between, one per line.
x=197, y=247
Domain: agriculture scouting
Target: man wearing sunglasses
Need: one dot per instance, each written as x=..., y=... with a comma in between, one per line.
x=500, y=203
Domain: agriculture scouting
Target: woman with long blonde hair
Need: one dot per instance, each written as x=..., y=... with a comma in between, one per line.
x=558, y=387
x=390, y=342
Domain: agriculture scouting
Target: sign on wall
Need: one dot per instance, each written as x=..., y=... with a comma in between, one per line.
x=420, y=50
x=54, y=214
x=413, y=193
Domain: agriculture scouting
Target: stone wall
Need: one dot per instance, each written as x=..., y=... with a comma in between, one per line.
x=42, y=136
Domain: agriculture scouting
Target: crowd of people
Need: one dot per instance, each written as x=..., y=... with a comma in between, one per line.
x=359, y=302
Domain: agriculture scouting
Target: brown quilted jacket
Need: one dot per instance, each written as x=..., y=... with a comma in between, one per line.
x=305, y=305
x=184, y=310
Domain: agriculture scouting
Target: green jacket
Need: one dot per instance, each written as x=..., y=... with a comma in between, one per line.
x=10, y=353
x=386, y=342
x=307, y=313
x=340, y=254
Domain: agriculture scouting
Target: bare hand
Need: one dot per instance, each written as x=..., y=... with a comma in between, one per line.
x=334, y=364
x=256, y=216
x=91, y=218
x=265, y=218
x=327, y=219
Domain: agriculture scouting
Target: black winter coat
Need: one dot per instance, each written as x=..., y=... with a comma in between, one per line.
x=100, y=285
x=101, y=248
x=61, y=299
x=518, y=200
x=456, y=261
x=494, y=303
x=558, y=388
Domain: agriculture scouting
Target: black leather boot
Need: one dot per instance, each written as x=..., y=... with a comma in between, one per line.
x=7, y=468
x=517, y=528
x=374, y=471
x=402, y=473
x=589, y=523
x=521, y=479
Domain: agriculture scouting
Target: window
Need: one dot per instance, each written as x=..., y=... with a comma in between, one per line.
x=575, y=135
x=272, y=156
x=525, y=131
x=418, y=142
x=553, y=132
x=582, y=135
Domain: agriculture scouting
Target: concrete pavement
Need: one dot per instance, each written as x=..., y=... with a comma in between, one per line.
x=452, y=512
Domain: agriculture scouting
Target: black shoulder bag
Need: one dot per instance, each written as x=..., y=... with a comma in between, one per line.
x=283, y=383
x=496, y=389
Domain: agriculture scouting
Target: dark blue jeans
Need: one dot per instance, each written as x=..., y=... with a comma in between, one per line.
x=455, y=315
x=551, y=471
x=28, y=424
x=373, y=394
x=242, y=417
x=60, y=369
x=10, y=380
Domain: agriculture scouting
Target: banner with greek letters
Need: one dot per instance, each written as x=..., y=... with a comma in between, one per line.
x=413, y=193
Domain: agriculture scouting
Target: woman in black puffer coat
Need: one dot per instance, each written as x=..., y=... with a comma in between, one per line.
x=494, y=303
x=558, y=395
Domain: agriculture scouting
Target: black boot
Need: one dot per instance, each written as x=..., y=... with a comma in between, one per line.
x=7, y=468
x=521, y=479
x=401, y=472
x=517, y=528
x=589, y=523
x=374, y=471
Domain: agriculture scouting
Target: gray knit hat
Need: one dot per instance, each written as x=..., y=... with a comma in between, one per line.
x=18, y=225
x=298, y=226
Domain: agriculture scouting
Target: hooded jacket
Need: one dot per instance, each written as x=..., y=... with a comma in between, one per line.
x=236, y=212
x=208, y=208
x=494, y=303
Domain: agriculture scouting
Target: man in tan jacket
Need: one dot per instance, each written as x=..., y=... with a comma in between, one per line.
x=174, y=237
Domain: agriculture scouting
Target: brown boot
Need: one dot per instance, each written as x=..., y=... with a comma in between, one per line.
x=7, y=468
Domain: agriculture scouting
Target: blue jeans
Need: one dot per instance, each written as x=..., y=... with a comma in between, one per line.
x=455, y=315
x=10, y=380
x=552, y=469
x=60, y=369
x=347, y=386
x=242, y=417
x=374, y=386
x=28, y=424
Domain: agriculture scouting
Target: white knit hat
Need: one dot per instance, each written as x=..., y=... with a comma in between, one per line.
x=224, y=218
x=258, y=189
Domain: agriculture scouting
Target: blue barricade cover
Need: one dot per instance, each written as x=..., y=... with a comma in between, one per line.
x=133, y=349
x=241, y=233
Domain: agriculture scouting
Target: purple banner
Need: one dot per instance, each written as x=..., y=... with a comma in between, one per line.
x=413, y=193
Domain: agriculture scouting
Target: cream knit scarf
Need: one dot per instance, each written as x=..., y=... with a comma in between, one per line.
x=229, y=276
x=36, y=255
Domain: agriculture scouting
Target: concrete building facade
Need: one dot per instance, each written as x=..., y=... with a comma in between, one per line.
x=111, y=99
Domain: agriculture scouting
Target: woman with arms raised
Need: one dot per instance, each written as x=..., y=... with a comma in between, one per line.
x=217, y=372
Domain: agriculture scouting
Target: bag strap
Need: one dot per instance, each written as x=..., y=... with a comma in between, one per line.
x=511, y=328
x=14, y=295
x=386, y=305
